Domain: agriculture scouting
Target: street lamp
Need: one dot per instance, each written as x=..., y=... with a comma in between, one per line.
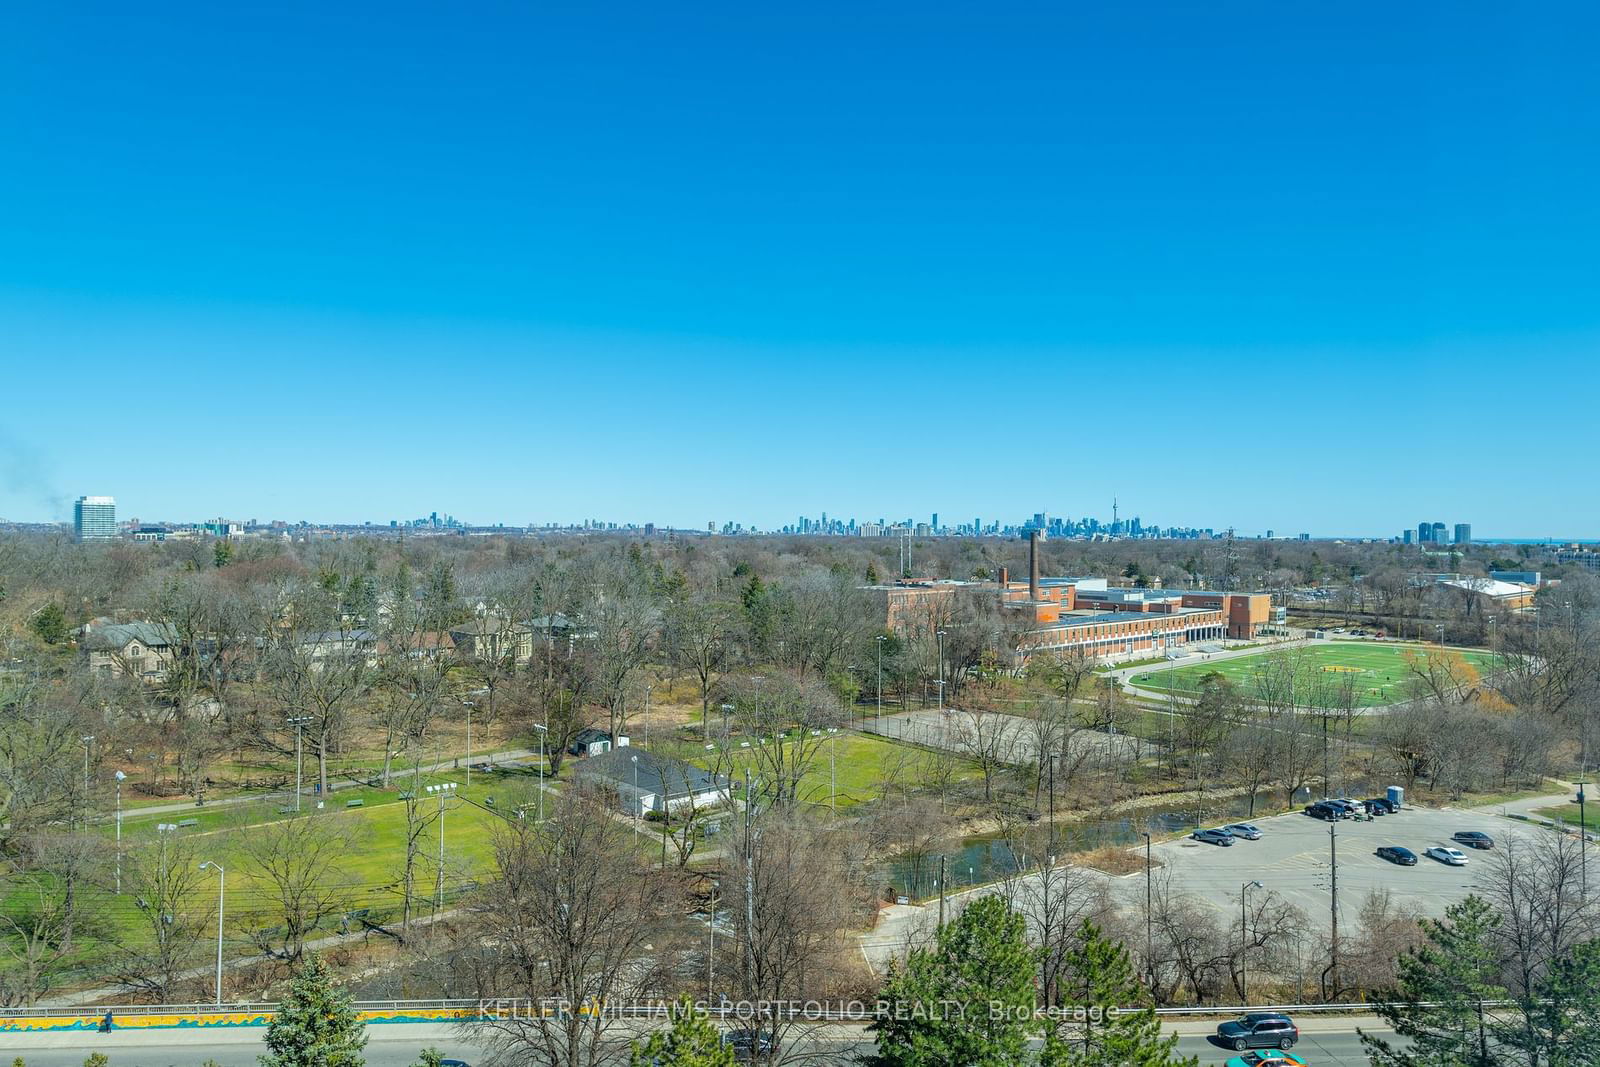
x=833, y=775
x=1244, y=934
x=298, y=722
x=442, y=790
x=638, y=806
x=222, y=881
x=543, y=732
x=940, y=636
x=120, y=777
x=647, y=691
x=1440, y=628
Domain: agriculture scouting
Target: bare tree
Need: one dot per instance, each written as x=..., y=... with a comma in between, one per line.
x=788, y=717
x=164, y=881
x=575, y=917
x=299, y=863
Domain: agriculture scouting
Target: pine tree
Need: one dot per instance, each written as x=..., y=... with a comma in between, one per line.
x=1100, y=978
x=1560, y=1023
x=691, y=1041
x=968, y=1000
x=1441, y=1007
x=316, y=1026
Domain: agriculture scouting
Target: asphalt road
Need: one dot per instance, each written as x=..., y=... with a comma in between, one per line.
x=1325, y=1044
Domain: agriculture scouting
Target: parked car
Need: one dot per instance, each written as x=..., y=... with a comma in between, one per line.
x=1452, y=856
x=1248, y=831
x=1472, y=839
x=1269, y=1057
x=1213, y=837
x=747, y=1044
x=1380, y=806
x=1322, y=809
x=1259, y=1029
x=1398, y=854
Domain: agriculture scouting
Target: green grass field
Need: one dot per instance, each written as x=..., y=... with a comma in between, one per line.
x=1383, y=674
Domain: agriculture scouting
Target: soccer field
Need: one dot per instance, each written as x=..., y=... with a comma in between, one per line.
x=1383, y=669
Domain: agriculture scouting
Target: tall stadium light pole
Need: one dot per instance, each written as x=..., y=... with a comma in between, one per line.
x=299, y=723
x=543, y=731
x=1244, y=935
x=120, y=777
x=222, y=881
x=442, y=790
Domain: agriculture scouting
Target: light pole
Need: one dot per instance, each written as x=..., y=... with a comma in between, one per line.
x=543, y=731
x=1583, y=841
x=120, y=777
x=1149, y=942
x=880, y=683
x=468, y=705
x=298, y=722
x=1244, y=935
x=833, y=775
x=442, y=790
x=222, y=881
x=638, y=805
x=939, y=636
x=1440, y=628
x=647, y=691
x=87, y=742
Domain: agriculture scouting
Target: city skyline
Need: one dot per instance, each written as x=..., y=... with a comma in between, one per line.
x=1261, y=268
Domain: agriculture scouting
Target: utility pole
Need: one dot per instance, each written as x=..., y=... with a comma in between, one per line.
x=749, y=891
x=1583, y=844
x=298, y=722
x=880, y=683
x=1149, y=942
x=1333, y=905
x=944, y=872
x=120, y=777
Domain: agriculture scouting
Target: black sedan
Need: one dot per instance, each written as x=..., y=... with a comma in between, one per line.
x=1398, y=854
x=1472, y=839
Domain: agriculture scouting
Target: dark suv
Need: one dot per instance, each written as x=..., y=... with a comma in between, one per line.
x=1259, y=1029
x=1323, y=809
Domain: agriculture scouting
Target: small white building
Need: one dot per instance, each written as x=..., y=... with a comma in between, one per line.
x=644, y=782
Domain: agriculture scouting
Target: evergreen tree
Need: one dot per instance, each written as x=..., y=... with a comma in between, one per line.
x=691, y=1041
x=315, y=1026
x=1440, y=1007
x=49, y=624
x=1100, y=978
x=967, y=1000
x=429, y=1057
x=1561, y=1021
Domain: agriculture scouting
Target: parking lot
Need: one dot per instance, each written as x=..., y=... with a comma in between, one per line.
x=1292, y=860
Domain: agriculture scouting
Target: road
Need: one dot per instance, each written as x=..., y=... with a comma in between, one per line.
x=1324, y=1043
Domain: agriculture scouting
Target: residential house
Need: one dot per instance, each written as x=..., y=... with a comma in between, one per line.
x=143, y=650
x=590, y=742
x=490, y=637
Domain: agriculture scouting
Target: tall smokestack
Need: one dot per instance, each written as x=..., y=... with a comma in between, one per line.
x=1005, y=577
x=1033, y=565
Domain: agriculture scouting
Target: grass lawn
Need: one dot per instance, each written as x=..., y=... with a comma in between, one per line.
x=1568, y=813
x=851, y=763
x=1382, y=669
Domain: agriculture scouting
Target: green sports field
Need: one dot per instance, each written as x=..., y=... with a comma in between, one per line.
x=1380, y=674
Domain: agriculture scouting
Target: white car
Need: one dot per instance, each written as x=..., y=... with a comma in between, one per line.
x=1452, y=856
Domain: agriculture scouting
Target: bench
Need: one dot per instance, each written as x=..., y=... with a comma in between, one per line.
x=185, y=823
x=408, y=795
x=286, y=811
x=356, y=803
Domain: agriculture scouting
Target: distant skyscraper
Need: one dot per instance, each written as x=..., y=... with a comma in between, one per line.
x=94, y=518
x=935, y=523
x=1438, y=534
x=1424, y=532
x=1410, y=535
x=1463, y=533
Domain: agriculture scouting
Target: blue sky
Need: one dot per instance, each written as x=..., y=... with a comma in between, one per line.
x=1327, y=269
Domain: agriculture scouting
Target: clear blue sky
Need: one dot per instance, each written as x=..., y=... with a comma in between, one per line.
x=1328, y=269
